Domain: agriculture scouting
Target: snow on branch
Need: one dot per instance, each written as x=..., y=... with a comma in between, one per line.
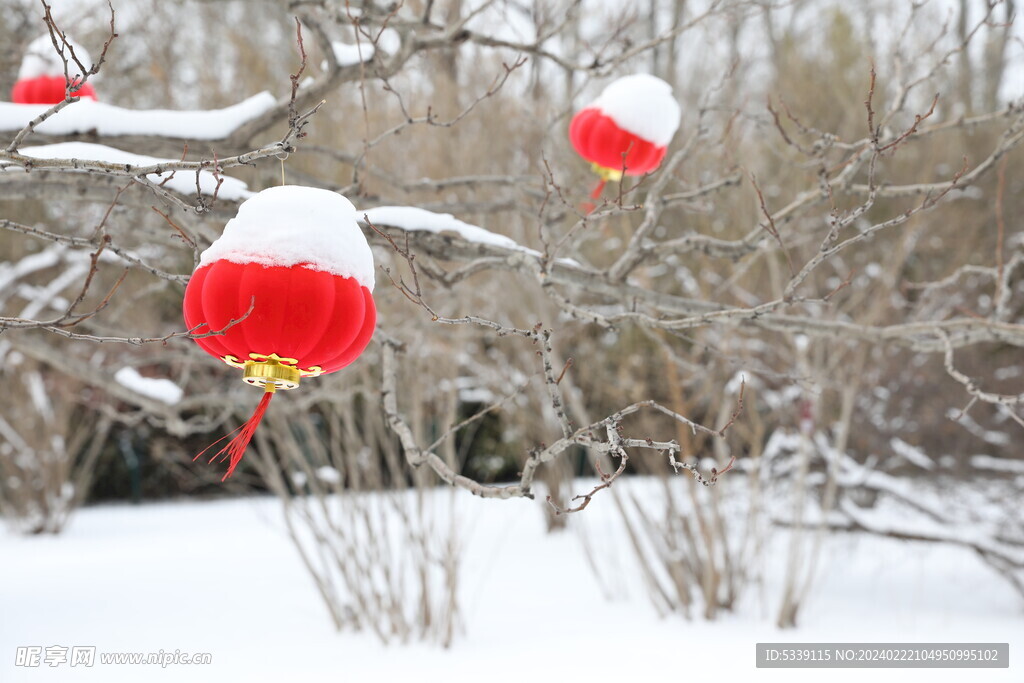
x=412, y=219
x=163, y=390
x=84, y=154
x=108, y=120
x=987, y=462
x=347, y=54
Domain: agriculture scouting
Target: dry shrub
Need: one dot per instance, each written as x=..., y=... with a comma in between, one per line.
x=48, y=449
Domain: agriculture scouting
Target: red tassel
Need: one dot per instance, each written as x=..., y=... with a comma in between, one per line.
x=588, y=207
x=235, y=448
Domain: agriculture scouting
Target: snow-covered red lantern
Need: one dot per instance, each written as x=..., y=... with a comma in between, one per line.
x=41, y=78
x=287, y=288
x=627, y=129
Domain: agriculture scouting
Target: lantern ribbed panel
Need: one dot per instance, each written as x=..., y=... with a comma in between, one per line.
x=319, y=319
x=598, y=139
x=46, y=90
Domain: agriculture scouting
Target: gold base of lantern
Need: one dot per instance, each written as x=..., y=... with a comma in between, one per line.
x=272, y=372
x=605, y=173
x=271, y=375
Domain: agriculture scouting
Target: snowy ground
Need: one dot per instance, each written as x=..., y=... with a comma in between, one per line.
x=222, y=577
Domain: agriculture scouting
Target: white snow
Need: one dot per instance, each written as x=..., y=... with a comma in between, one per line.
x=39, y=297
x=328, y=475
x=291, y=224
x=106, y=119
x=987, y=462
x=912, y=454
x=40, y=399
x=163, y=390
x=222, y=577
x=389, y=41
x=182, y=181
x=882, y=521
x=41, y=59
x=853, y=474
x=348, y=54
x=643, y=105
x=990, y=436
x=11, y=272
x=413, y=219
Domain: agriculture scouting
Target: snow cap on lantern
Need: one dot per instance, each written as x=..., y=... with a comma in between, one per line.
x=41, y=78
x=286, y=292
x=629, y=125
x=292, y=225
x=643, y=105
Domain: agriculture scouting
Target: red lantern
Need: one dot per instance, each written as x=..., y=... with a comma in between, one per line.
x=627, y=128
x=47, y=90
x=287, y=286
x=41, y=78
